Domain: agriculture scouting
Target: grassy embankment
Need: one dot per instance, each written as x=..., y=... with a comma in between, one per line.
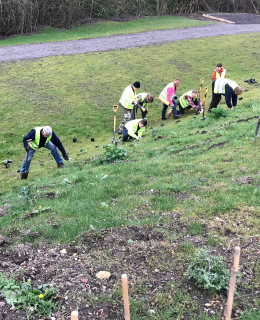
x=195, y=176
x=104, y=28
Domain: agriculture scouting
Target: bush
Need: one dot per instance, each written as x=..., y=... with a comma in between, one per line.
x=208, y=272
x=218, y=113
x=113, y=153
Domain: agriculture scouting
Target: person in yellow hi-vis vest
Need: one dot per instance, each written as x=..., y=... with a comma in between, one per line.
x=42, y=137
x=230, y=89
x=190, y=100
x=134, y=129
x=219, y=72
x=127, y=102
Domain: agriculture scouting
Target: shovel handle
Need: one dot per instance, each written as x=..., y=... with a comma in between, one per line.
x=115, y=108
x=201, y=81
x=205, y=94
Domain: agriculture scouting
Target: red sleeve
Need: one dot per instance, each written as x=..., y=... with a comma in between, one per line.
x=169, y=93
x=213, y=75
x=191, y=103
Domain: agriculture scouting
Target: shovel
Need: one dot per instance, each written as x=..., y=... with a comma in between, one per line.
x=115, y=108
x=201, y=81
x=24, y=175
x=257, y=128
x=205, y=94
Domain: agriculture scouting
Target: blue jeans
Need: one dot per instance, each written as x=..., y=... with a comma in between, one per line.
x=49, y=146
x=165, y=107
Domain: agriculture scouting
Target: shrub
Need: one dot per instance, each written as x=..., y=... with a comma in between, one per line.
x=218, y=113
x=208, y=272
x=113, y=153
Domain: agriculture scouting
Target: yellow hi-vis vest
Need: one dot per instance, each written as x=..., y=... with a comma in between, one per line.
x=132, y=127
x=35, y=143
x=219, y=86
x=127, y=98
x=222, y=74
x=185, y=103
x=163, y=94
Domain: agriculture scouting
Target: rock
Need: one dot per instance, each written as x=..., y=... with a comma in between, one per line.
x=2, y=304
x=63, y=251
x=103, y=275
x=53, y=253
x=21, y=253
x=207, y=304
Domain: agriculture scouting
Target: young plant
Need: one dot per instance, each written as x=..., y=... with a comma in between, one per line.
x=113, y=153
x=208, y=272
x=37, y=301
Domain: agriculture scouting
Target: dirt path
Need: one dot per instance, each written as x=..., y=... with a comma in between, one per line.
x=33, y=51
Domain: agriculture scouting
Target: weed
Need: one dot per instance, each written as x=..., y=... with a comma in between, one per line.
x=195, y=228
x=251, y=315
x=112, y=154
x=22, y=296
x=187, y=247
x=218, y=113
x=208, y=272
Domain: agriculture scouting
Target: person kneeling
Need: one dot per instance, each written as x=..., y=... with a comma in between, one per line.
x=134, y=129
x=190, y=100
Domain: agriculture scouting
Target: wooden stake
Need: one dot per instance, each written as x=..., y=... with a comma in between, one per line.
x=125, y=296
x=232, y=284
x=74, y=315
x=215, y=18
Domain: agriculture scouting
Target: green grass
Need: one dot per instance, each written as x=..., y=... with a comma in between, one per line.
x=103, y=29
x=194, y=177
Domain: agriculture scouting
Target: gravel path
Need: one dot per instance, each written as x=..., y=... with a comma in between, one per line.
x=32, y=51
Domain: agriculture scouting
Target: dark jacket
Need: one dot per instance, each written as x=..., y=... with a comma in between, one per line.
x=54, y=139
x=229, y=95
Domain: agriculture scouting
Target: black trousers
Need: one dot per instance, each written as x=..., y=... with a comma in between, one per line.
x=216, y=97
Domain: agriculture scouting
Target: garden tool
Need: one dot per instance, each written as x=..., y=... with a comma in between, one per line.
x=257, y=128
x=24, y=175
x=205, y=95
x=115, y=108
x=201, y=81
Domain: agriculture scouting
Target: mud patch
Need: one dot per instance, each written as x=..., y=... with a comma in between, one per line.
x=218, y=145
x=243, y=180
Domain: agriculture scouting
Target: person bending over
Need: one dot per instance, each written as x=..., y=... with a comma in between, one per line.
x=134, y=129
x=230, y=89
x=42, y=137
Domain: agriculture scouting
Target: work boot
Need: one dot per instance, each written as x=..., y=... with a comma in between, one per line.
x=61, y=165
x=176, y=116
x=165, y=118
x=23, y=176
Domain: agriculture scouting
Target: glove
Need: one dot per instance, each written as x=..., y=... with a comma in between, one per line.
x=138, y=138
x=65, y=156
x=175, y=97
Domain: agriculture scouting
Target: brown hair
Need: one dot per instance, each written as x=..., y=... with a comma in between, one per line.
x=194, y=91
x=219, y=65
x=176, y=80
x=144, y=122
x=149, y=98
x=238, y=90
